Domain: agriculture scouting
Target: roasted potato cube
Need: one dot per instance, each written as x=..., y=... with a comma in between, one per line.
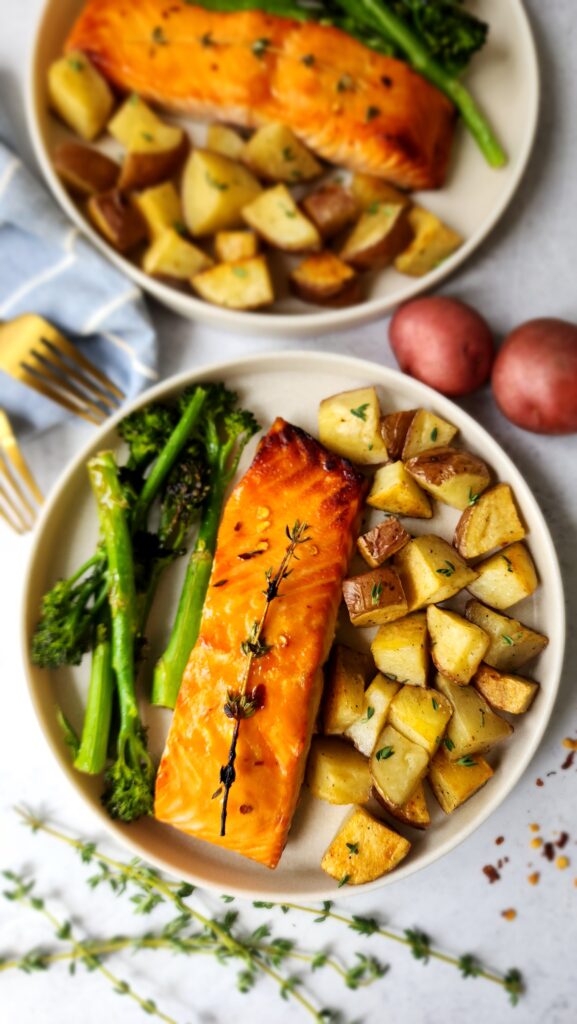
x=79, y=94
x=431, y=571
x=364, y=732
x=155, y=150
x=382, y=541
x=426, y=431
x=394, y=491
x=368, y=190
x=400, y=650
x=363, y=849
x=245, y=284
x=414, y=813
x=337, y=773
x=171, y=256
x=324, y=279
x=214, y=192
x=375, y=597
x=433, y=243
x=505, y=691
x=378, y=236
x=505, y=578
x=331, y=209
x=474, y=727
x=344, y=692
x=457, y=646
x=117, y=220
x=454, y=477
x=512, y=644
x=224, y=140
x=275, y=154
x=231, y=246
x=349, y=426
x=275, y=216
x=397, y=766
x=85, y=170
x=453, y=783
x=490, y=522
x=394, y=428
x=161, y=208
x=421, y=715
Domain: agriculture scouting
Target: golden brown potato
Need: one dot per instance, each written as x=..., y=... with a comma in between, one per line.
x=117, y=220
x=433, y=243
x=421, y=715
x=505, y=691
x=336, y=772
x=426, y=431
x=86, y=171
x=394, y=428
x=325, y=280
x=505, y=578
x=245, y=284
x=331, y=209
x=231, y=246
x=382, y=541
x=275, y=216
x=401, y=652
x=365, y=730
x=378, y=236
x=375, y=597
x=224, y=140
x=457, y=646
x=275, y=154
x=453, y=783
x=512, y=644
x=474, y=727
x=397, y=766
x=155, y=150
x=173, y=258
x=431, y=571
x=363, y=849
x=79, y=94
x=344, y=692
x=214, y=192
x=492, y=521
x=161, y=208
x=368, y=190
x=349, y=426
x=454, y=477
x=414, y=813
x=395, y=491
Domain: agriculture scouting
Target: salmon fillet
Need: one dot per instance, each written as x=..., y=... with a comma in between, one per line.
x=292, y=476
x=350, y=105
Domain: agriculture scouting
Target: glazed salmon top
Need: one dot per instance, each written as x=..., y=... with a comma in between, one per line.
x=351, y=105
x=292, y=477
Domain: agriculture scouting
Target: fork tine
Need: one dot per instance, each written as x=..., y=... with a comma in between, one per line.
x=44, y=371
x=91, y=392
x=15, y=486
x=75, y=356
x=99, y=393
x=15, y=458
x=11, y=514
x=44, y=388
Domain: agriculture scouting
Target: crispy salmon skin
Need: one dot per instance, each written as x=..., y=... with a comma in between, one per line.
x=351, y=105
x=292, y=477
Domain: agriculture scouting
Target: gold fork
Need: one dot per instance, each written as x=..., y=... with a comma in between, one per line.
x=37, y=354
x=15, y=477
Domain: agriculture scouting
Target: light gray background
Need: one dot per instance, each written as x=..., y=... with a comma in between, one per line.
x=527, y=268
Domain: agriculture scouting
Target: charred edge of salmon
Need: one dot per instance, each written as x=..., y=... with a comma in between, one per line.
x=286, y=435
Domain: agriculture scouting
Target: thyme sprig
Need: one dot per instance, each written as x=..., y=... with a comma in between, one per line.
x=243, y=703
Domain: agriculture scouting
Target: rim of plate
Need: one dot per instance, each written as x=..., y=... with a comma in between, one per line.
x=445, y=407
x=286, y=324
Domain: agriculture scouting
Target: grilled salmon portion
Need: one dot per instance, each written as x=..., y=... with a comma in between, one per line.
x=292, y=476
x=351, y=105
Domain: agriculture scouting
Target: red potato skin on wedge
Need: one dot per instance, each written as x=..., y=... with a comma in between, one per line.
x=444, y=343
x=535, y=376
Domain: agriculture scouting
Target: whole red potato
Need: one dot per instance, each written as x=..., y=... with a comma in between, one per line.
x=535, y=376
x=444, y=343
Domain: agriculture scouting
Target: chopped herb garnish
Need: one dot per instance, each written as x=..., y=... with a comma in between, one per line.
x=467, y=761
x=158, y=36
x=450, y=569
x=435, y=704
x=343, y=881
x=77, y=64
x=507, y=640
x=372, y=112
x=373, y=208
x=147, y=136
x=434, y=434
x=352, y=847
x=259, y=47
x=220, y=185
x=134, y=99
x=482, y=713
x=369, y=714
x=390, y=676
x=240, y=272
x=370, y=447
x=473, y=498
x=308, y=60
x=360, y=412
x=376, y=592
x=449, y=743
x=206, y=40
x=180, y=228
x=345, y=83
x=509, y=563
x=384, y=753
x=288, y=154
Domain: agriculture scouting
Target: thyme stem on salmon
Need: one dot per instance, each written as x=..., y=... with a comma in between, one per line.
x=242, y=703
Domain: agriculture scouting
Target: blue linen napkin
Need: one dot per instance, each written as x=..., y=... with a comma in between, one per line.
x=48, y=268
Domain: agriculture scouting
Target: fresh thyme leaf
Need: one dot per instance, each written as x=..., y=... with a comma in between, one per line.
x=434, y=434
x=507, y=640
x=76, y=64
x=473, y=498
x=345, y=83
x=260, y=47
x=364, y=925
x=420, y=944
x=376, y=593
x=180, y=228
x=513, y=984
x=288, y=154
x=361, y=411
x=352, y=847
x=369, y=714
x=448, y=571
x=468, y=966
x=147, y=136
x=449, y=743
x=390, y=676
x=384, y=753
x=241, y=272
x=373, y=208
x=509, y=563
x=206, y=40
x=343, y=881
x=467, y=761
x=158, y=36
x=435, y=704
x=220, y=185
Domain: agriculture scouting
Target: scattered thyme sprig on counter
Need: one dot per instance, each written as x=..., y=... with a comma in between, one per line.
x=192, y=932
x=243, y=703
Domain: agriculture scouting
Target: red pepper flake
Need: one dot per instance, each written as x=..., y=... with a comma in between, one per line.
x=509, y=914
x=499, y=840
x=491, y=873
x=549, y=851
x=539, y=782
x=562, y=840
x=570, y=743
x=568, y=762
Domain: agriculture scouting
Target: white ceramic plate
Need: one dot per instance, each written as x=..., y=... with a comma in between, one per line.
x=290, y=385
x=504, y=79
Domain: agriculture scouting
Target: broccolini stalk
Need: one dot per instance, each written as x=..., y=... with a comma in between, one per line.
x=92, y=754
x=225, y=432
x=129, y=782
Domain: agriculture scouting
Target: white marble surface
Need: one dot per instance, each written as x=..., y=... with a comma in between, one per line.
x=527, y=268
